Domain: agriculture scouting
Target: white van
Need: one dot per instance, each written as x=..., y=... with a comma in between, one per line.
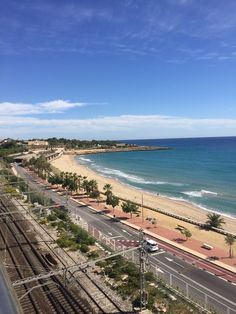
x=151, y=245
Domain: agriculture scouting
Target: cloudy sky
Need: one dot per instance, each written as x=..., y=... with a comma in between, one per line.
x=117, y=69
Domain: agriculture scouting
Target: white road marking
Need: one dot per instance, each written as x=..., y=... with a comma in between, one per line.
x=171, y=260
x=161, y=252
x=119, y=236
x=126, y=232
x=179, y=264
x=223, y=279
x=159, y=270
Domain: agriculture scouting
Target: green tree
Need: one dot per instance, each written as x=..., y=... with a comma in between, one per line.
x=95, y=194
x=187, y=234
x=93, y=185
x=40, y=165
x=215, y=220
x=108, y=190
x=229, y=239
x=85, y=186
x=129, y=207
x=80, y=179
x=113, y=201
x=72, y=186
x=89, y=186
x=55, y=179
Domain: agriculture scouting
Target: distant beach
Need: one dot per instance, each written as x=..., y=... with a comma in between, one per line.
x=181, y=208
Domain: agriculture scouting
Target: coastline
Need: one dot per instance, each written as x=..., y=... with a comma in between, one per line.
x=115, y=150
x=178, y=207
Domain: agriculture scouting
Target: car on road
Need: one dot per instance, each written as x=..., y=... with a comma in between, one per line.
x=151, y=245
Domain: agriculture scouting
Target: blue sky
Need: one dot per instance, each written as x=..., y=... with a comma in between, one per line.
x=117, y=69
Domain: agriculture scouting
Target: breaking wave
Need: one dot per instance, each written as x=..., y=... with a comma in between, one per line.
x=201, y=193
x=132, y=178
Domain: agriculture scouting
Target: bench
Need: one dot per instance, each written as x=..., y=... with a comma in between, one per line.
x=207, y=246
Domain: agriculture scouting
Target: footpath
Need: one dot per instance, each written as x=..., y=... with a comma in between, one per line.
x=214, y=260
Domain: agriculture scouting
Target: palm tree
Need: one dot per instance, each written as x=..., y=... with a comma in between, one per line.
x=89, y=186
x=95, y=194
x=215, y=220
x=107, y=188
x=72, y=186
x=76, y=180
x=93, y=185
x=79, y=181
x=229, y=239
x=62, y=176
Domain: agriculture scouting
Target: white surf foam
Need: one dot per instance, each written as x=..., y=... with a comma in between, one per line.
x=84, y=159
x=201, y=193
x=205, y=192
x=132, y=178
x=193, y=193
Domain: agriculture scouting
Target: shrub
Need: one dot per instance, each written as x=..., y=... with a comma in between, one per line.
x=51, y=217
x=61, y=225
x=74, y=247
x=75, y=229
x=61, y=214
x=149, y=277
x=64, y=241
x=43, y=221
x=84, y=248
x=93, y=254
x=83, y=237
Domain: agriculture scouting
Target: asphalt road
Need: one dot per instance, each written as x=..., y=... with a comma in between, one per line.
x=221, y=293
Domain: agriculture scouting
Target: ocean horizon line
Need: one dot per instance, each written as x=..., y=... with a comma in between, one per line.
x=179, y=138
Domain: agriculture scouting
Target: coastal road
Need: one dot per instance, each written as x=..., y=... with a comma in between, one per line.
x=221, y=294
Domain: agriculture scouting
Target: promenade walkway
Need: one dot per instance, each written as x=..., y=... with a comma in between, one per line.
x=171, y=236
x=174, y=237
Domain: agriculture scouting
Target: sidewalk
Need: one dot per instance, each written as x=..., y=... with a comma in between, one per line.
x=172, y=237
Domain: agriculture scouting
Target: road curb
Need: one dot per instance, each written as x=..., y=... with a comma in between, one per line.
x=175, y=245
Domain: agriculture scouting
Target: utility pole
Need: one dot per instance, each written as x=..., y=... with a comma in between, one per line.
x=142, y=260
x=142, y=209
x=28, y=191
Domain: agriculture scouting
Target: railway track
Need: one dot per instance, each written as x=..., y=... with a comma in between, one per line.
x=22, y=260
x=52, y=296
x=94, y=289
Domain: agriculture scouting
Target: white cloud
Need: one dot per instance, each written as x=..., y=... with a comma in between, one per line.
x=54, y=106
x=117, y=127
x=59, y=105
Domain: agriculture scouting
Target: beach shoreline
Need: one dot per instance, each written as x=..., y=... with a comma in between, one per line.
x=181, y=208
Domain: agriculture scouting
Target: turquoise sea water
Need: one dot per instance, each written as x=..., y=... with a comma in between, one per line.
x=199, y=170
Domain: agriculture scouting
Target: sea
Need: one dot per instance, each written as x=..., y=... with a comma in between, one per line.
x=198, y=170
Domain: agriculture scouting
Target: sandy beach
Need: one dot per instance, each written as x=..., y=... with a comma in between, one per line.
x=181, y=208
